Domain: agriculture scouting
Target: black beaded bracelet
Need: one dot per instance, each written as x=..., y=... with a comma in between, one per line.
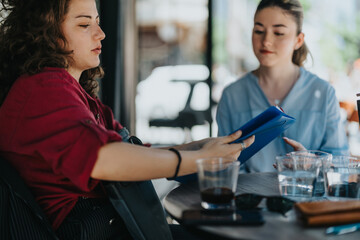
x=179, y=161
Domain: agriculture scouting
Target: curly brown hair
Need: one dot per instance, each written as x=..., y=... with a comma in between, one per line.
x=31, y=39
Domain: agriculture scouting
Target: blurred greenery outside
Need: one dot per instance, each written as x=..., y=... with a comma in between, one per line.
x=344, y=42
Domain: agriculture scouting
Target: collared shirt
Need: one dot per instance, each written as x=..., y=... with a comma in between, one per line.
x=311, y=101
x=51, y=131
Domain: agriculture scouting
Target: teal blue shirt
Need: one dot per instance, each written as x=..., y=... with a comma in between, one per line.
x=311, y=101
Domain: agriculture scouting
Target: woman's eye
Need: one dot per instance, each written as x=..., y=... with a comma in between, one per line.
x=84, y=25
x=258, y=32
x=279, y=34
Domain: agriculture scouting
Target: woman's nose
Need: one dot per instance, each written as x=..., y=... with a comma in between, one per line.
x=99, y=34
x=267, y=40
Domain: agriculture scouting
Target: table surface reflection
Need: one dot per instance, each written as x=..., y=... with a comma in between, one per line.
x=276, y=226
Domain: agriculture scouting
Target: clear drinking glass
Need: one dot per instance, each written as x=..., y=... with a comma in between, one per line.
x=297, y=176
x=217, y=182
x=343, y=178
x=325, y=158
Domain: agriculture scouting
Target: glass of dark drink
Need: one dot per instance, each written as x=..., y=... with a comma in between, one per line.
x=217, y=182
x=343, y=178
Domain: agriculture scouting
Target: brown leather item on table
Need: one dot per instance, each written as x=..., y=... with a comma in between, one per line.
x=325, y=213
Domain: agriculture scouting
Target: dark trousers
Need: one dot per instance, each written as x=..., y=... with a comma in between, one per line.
x=93, y=219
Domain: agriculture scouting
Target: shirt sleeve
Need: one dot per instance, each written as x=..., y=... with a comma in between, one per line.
x=64, y=132
x=223, y=116
x=111, y=123
x=335, y=140
x=223, y=119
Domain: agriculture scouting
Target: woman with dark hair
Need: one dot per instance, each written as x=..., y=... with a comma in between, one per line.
x=55, y=131
x=281, y=80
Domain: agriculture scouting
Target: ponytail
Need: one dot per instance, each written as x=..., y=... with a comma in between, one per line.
x=300, y=55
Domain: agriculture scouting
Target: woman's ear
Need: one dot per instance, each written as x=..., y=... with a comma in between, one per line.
x=299, y=41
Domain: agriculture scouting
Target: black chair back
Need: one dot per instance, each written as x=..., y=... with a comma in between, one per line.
x=20, y=215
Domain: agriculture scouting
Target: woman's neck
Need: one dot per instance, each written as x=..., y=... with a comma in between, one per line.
x=75, y=74
x=276, y=75
x=276, y=83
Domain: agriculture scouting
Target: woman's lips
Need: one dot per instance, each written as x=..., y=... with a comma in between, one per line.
x=97, y=50
x=266, y=52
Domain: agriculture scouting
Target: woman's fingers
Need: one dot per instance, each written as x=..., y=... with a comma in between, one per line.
x=245, y=143
x=242, y=145
x=221, y=146
x=296, y=145
x=232, y=137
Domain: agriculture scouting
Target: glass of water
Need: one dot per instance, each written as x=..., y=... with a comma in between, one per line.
x=297, y=176
x=325, y=158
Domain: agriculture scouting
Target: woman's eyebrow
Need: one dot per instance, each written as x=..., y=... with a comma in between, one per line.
x=86, y=16
x=280, y=25
x=275, y=25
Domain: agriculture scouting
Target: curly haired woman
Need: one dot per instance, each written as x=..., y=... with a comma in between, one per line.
x=54, y=130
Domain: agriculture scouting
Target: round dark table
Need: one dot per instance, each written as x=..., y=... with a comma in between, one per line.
x=276, y=226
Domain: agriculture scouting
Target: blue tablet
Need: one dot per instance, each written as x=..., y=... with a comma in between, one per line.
x=266, y=127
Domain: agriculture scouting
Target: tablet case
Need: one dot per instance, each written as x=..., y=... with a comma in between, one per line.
x=266, y=127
